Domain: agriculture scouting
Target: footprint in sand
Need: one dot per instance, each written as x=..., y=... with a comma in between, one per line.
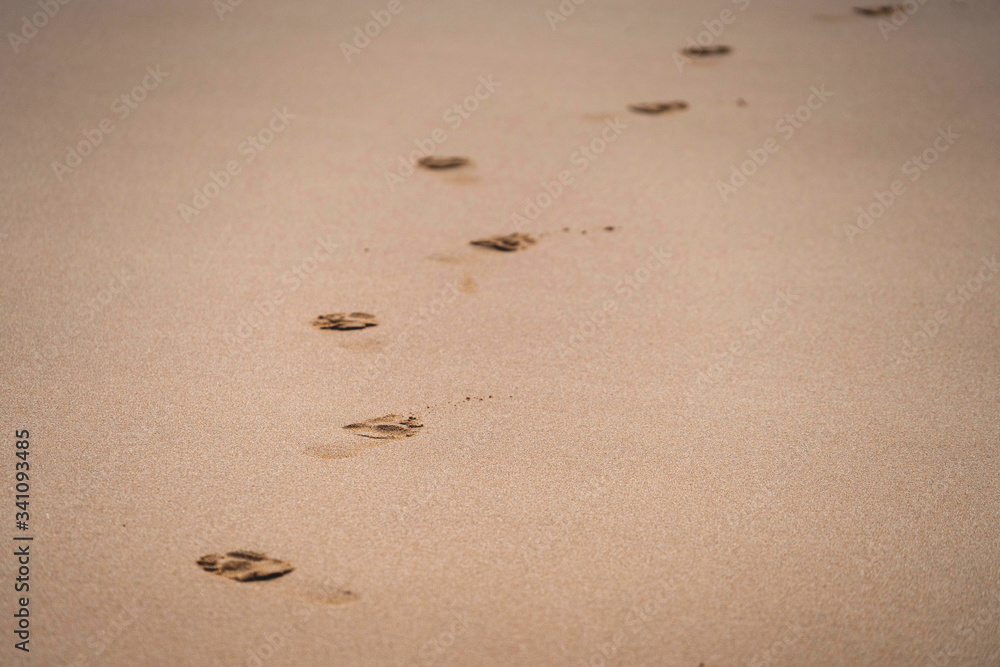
x=882, y=10
x=244, y=566
x=706, y=51
x=506, y=242
x=389, y=427
x=655, y=108
x=345, y=321
x=432, y=162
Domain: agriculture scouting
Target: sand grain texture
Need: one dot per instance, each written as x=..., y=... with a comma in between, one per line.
x=738, y=430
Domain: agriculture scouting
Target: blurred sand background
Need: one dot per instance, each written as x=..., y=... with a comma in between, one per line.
x=827, y=497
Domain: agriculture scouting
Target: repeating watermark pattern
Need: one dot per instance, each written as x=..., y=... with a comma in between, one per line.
x=122, y=107
x=249, y=148
x=900, y=17
x=580, y=159
x=424, y=315
x=777, y=649
x=37, y=21
x=752, y=334
x=624, y=290
x=404, y=512
x=957, y=298
x=99, y=642
x=455, y=116
x=291, y=281
x=223, y=7
x=786, y=128
x=434, y=648
x=967, y=630
x=267, y=646
x=86, y=312
x=636, y=624
x=713, y=30
x=562, y=12
x=914, y=168
x=362, y=38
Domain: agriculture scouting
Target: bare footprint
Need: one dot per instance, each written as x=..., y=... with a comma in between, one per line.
x=388, y=427
x=345, y=321
x=506, y=242
x=706, y=51
x=882, y=10
x=432, y=162
x=655, y=108
x=244, y=566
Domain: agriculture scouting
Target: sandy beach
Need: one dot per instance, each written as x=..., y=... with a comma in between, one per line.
x=690, y=359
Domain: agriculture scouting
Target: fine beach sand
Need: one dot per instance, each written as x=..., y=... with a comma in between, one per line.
x=682, y=427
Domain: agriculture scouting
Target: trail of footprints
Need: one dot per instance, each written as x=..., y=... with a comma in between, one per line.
x=251, y=566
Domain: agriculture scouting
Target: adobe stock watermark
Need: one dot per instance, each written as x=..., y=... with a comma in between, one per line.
x=562, y=12
x=362, y=38
x=713, y=30
x=637, y=619
x=774, y=653
x=425, y=314
x=249, y=148
x=957, y=298
x=223, y=7
x=914, y=168
x=624, y=290
x=86, y=311
x=786, y=128
x=268, y=645
x=291, y=281
x=100, y=641
x=752, y=334
x=900, y=17
x=581, y=159
x=967, y=630
x=122, y=107
x=455, y=115
x=37, y=21
x=434, y=648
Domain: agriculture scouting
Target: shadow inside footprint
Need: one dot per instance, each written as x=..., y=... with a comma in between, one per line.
x=244, y=566
x=655, y=108
x=345, y=321
x=432, y=162
x=388, y=427
x=506, y=242
x=706, y=51
x=882, y=10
